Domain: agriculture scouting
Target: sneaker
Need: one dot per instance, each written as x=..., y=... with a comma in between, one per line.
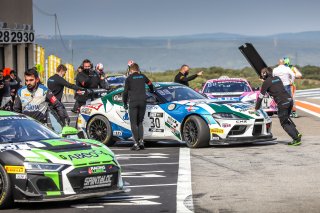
x=141, y=144
x=296, y=142
x=295, y=115
x=135, y=147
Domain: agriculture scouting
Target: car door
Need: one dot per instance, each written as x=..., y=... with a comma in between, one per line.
x=154, y=124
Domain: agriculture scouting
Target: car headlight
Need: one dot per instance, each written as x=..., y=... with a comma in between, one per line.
x=49, y=167
x=222, y=115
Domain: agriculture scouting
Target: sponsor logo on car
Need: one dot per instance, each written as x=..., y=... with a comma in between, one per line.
x=97, y=181
x=117, y=133
x=241, y=121
x=15, y=169
x=96, y=169
x=225, y=125
x=217, y=131
x=21, y=176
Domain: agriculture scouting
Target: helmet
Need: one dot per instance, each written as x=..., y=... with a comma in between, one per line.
x=99, y=67
x=286, y=61
x=130, y=62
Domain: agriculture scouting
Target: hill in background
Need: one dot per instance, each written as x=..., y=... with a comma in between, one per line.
x=168, y=53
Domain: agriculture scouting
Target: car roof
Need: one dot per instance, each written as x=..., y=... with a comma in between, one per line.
x=116, y=75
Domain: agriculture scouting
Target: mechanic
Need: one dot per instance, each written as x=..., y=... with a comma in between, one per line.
x=34, y=100
x=15, y=84
x=297, y=75
x=182, y=76
x=88, y=79
x=274, y=86
x=135, y=91
x=5, y=98
x=56, y=83
x=285, y=74
x=102, y=75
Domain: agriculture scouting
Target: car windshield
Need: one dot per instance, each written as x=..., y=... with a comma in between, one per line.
x=18, y=129
x=226, y=86
x=116, y=79
x=178, y=93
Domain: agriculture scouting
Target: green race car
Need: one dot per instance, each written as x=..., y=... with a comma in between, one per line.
x=37, y=165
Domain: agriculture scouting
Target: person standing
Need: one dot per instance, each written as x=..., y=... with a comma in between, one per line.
x=274, y=86
x=297, y=75
x=56, y=83
x=15, y=84
x=5, y=98
x=182, y=76
x=285, y=74
x=135, y=94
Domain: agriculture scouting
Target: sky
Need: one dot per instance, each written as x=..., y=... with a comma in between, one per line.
x=139, y=18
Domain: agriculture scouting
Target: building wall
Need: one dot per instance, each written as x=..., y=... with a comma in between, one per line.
x=16, y=14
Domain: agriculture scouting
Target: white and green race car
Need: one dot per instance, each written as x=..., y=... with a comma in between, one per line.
x=176, y=112
x=37, y=165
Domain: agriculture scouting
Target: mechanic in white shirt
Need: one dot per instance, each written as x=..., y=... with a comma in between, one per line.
x=285, y=74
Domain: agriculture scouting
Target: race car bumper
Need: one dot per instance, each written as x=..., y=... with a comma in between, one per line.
x=34, y=198
x=243, y=140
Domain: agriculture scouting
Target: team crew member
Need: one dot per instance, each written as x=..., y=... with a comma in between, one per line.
x=297, y=75
x=88, y=78
x=182, y=76
x=285, y=74
x=56, y=83
x=135, y=94
x=34, y=100
x=5, y=98
x=275, y=88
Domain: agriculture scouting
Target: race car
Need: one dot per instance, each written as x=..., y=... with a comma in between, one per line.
x=37, y=165
x=236, y=89
x=176, y=112
x=115, y=81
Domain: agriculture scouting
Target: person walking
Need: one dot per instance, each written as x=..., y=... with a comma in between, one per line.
x=135, y=94
x=274, y=86
x=182, y=76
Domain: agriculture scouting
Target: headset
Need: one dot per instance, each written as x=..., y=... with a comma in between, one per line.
x=86, y=61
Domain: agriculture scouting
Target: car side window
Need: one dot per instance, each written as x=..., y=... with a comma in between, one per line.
x=151, y=98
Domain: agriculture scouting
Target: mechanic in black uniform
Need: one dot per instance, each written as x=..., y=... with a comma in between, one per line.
x=275, y=88
x=88, y=79
x=182, y=76
x=135, y=91
x=56, y=83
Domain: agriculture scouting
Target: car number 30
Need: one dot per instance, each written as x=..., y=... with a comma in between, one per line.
x=155, y=122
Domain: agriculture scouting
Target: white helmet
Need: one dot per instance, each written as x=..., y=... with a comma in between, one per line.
x=99, y=67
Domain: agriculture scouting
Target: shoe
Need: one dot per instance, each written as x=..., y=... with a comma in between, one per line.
x=141, y=144
x=135, y=147
x=295, y=115
x=296, y=142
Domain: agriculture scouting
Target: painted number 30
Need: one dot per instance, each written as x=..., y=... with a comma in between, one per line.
x=155, y=122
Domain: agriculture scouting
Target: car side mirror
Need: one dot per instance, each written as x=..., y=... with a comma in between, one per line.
x=151, y=100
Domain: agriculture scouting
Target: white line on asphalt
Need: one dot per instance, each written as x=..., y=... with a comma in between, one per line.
x=126, y=148
x=141, y=154
x=86, y=207
x=145, y=157
x=154, y=185
x=308, y=111
x=148, y=164
x=142, y=172
x=184, y=188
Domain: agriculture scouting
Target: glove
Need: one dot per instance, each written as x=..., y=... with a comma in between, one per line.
x=125, y=107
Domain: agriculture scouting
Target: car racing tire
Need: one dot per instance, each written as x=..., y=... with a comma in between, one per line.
x=6, y=199
x=196, y=132
x=99, y=128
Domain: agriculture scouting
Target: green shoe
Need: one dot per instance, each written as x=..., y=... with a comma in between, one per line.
x=296, y=142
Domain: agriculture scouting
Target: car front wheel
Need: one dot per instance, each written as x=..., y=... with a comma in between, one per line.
x=99, y=129
x=196, y=132
x=6, y=200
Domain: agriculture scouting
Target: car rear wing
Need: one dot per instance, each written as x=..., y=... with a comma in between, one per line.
x=253, y=57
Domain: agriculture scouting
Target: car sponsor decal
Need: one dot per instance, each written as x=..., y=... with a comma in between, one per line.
x=84, y=155
x=21, y=176
x=217, y=131
x=117, y=133
x=4, y=147
x=171, y=107
x=241, y=121
x=13, y=118
x=225, y=125
x=97, y=181
x=173, y=124
x=96, y=169
x=96, y=107
x=15, y=169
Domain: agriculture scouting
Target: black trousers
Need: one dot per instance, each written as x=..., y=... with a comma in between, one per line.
x=284, y=111
x=136, y=114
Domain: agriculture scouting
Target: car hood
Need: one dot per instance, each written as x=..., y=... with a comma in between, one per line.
x=64, y=151
x=232, y=96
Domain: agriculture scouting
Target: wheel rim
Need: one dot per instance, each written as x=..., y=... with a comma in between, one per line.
x=98, y=130
x=191, y=132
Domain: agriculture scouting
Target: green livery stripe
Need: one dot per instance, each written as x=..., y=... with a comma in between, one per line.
x=224, y=109
x=38, y=160
x=55, y=177
x=53, y=193
x=57, y=142
x=7, y=113
x=175, y=132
